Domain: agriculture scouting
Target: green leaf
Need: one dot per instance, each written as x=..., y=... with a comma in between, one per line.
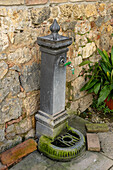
x=104, y=94
x=106, y=54
x=91, y=84
x=112, y=75
x=91, y=90
x=85, y=62
x=111, y=86
x=97, y=88
x=110, y=96
x=105, y=59
x=112, y=55
x=102, y=55
x=84, y=87
x=105, y=68
x=106, y=83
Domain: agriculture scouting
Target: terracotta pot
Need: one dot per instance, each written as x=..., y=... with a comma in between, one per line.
x=109, y=103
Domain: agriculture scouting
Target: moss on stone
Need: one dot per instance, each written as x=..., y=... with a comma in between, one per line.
x=52, y=151
x=97, y=127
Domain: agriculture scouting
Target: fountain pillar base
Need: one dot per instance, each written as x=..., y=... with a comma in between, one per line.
x=49, y=125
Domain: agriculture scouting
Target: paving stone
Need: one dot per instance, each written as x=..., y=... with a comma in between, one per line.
x=93, y=142
x=97, y=127
x=13, y=155
x=90, y=161
x=106, y=140
x=78, y=123
x=56, y=167
x=3, y=167
x=34, y=161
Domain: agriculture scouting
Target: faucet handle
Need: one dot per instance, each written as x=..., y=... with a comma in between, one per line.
x=69, y=65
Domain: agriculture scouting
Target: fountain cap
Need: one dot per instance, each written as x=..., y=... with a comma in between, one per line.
x=55, y=28
x=54, y=40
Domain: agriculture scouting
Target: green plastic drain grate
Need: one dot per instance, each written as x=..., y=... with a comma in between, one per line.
x=65, y=147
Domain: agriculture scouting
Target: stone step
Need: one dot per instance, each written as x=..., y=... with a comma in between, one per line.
x=96, y=127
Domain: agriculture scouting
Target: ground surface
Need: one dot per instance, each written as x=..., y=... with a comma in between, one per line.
x=88, y=161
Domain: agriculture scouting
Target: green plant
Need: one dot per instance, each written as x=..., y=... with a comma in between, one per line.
x=100, y=76
x=102, y=107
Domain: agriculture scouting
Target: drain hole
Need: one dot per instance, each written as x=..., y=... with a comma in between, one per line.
x=67, y=139
x=74, y=134
x=59, y=144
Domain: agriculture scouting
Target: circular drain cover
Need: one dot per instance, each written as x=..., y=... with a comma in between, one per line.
x=64, y=147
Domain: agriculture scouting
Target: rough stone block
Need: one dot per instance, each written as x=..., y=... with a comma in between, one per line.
x=89, y=49
x=30, y=77
x=2, y=135
x=13, y=155
x=11, y=109
x=82, y=27
x=30, y=134
x=21, y=55
x=36, y=2
x=4, y=42
x=75, y=0
x=40, y=15
x=32, y=103
x=24, y=126
x=10, y=2
x=97, y=127
x=91, y=0
x=93, y=143
x=3, y=69
x=58, y=1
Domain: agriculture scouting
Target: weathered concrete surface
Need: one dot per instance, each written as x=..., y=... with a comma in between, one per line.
x=87, y=161
x=106, y=140
x=78, y=123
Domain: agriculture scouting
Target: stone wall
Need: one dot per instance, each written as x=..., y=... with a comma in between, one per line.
x=88, y=22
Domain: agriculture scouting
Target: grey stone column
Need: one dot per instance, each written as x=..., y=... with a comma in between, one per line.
x=51, y=119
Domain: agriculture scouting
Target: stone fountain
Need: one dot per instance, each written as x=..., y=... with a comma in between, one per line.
x=56, y=139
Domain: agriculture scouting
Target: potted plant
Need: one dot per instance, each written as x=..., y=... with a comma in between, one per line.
x=100, y=77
